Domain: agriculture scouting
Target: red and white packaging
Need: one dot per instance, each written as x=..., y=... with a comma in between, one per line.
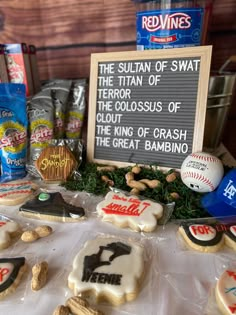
x=18, y=65
x=34, y=68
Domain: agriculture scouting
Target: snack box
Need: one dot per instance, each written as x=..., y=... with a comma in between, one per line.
x=18, y=65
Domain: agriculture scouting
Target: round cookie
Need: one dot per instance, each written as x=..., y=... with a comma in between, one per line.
x=226, y=292
x=16, y=192
x=109, y=269
x=130, y=211
x=202, y=237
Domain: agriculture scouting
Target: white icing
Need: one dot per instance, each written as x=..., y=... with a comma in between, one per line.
x=233, y=230
x=130, y=266
x=226, y=291
x=202, y=232
x=143, y=217
x=6, y=228
x=5, y=272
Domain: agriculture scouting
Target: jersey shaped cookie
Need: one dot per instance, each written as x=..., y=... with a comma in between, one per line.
x=16, y=192
x=226, y=292
x=202, y=237
x=8, y=229
x=108, y=268
x=130, y=211
x=11, y=272
x=52, y=207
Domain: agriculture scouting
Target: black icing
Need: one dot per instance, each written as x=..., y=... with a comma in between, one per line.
x=212, y=242
x=94, y=261
x=17, y=264
x=230, y=234
x=55, y=205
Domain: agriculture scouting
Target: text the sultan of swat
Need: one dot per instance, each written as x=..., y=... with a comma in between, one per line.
x=117, y=85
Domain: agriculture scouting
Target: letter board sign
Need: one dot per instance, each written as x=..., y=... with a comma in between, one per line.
x=147, y=107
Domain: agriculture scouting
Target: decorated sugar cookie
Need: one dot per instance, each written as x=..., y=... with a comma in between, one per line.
x=16, y=192
x=56, y=163
x=230, y=236
x=108, y=268
x=209, y=237
x=8, y=229
x=226, y=292
x=130, y=211
x=52, y=207
x=202, y=237
x=11, y=272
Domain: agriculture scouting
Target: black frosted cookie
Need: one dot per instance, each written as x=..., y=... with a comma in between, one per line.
x=52, y=207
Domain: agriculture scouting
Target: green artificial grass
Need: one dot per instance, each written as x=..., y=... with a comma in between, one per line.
x=186, y=207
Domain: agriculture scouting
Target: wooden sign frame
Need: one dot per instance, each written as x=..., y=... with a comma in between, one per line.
x=202, y=52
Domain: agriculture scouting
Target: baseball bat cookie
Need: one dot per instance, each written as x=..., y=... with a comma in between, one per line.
x=202, y=172
x=130, y=211
x=16, y=192
x=108, y=269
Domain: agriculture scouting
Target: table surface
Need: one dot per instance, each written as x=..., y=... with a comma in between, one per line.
x=177, y=279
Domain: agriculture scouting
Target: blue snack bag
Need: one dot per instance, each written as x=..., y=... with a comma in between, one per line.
x=13, y=131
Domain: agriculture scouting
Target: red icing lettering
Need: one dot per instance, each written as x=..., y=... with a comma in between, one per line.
x=221, y=227
x=3, y=272
x=133, y=209
x=2, y=223
x=231, y=274
x=232, y=309
x=202, y=229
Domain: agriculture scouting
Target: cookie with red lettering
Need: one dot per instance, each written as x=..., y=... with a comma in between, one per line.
x=130, y=211
x=8, y=230
x=225, y=292
x=16, y=192
x=11, y=272
x=202, y=237
x=230, y=236
x=109, y=269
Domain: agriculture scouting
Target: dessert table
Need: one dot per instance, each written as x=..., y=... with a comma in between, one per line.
x=177, y=279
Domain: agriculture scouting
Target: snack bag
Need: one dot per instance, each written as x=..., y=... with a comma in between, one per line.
x=59, y=91
x=76, y=109
x=41, y=127
x=13, y=131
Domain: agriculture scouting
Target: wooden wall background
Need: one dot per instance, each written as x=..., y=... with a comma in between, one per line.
x=66, y=32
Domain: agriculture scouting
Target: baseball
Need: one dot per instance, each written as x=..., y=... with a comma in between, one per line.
x=202, y=172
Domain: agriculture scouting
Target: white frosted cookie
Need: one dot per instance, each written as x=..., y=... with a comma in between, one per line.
x=16, y=192
x=130, y=211
x=8, y=230
x=226, y=292
x=108, y=269
x=202, y=237
x=12, y=270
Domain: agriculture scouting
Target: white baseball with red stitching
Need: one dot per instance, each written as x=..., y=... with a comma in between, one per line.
x=202, y=172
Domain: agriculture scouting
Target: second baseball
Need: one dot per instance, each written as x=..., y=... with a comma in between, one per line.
x=202, y=172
